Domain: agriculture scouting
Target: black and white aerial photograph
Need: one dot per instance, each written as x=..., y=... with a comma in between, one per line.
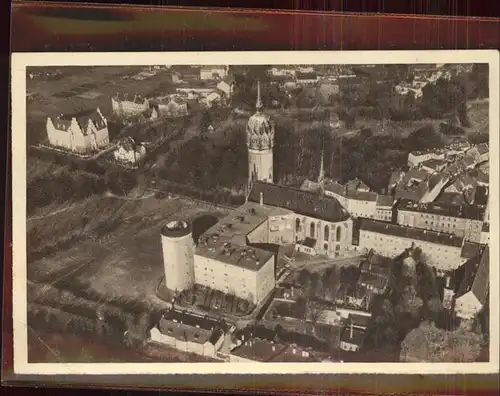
x=298, y=213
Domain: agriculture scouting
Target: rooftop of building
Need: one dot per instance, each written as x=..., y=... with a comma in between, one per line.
x=449, y=210
x=358, y=320
x=258, y=349
x=192, y=328
x=353, y=335
x=227, y=240
x=309, y=242
x=125, y=97
x=349, y=191
x=291, y=354
x=82, y=117
x=434, y=163
x=176, y=229
x=301, y=202
x=471, y=249
x=385, y=200
x=473, y=276
x=411, y=233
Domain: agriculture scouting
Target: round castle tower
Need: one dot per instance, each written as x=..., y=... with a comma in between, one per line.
x=178, y=255
x=260, y=143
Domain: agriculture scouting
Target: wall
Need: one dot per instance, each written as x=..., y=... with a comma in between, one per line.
x=178, y=261
x=443, y=257
x=470, y=229
x=333, y=246
x=265, y=280
x=383, y=214
x=260, y=162
x=59, y=138
x=229, y=278
x=356, y=207
x=259, y=234
x=128, y=108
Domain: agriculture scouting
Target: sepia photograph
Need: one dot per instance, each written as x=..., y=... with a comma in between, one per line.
x=326, y=211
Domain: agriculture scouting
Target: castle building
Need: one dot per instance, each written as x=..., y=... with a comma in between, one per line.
x=178, y=255
x=80, y=132
x=260, y=142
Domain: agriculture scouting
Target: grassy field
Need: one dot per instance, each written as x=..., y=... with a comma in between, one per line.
x=54, y=96
x=117, y=251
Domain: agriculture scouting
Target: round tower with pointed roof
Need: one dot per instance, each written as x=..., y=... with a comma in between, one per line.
x=260, y=142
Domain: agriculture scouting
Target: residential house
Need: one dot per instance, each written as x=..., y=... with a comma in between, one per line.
x=352, y=338
x=374, y=274
x=310, y=78
x=190, y=333
x=125, y=105
x=80, y=132
x=213, y=72
x=417, y=157
x=170, y=106
x=129, y=152
x=226, y=86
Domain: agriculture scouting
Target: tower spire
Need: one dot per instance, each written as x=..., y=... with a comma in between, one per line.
x=258, y=105
x=321, y=176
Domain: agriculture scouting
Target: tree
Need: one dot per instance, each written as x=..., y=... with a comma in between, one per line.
x=410, y=302
x=427, y=343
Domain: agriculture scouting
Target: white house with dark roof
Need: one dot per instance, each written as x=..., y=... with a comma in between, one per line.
x=125, y=105
x=355, y=197
x=190, y=333
x=129, y=151
x=80, y=132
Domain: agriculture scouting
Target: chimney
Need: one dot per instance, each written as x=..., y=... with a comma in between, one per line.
x=261, y=198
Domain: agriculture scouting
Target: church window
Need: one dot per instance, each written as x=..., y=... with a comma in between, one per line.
x=297, y=224
x=327, y=233
x=325, y=246
x=312, y=229
x=339, y=233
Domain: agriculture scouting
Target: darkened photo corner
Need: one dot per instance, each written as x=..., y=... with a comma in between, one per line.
x=253, y=213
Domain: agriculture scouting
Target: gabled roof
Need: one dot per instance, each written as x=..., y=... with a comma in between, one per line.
x=473, y=276
x=300, y=202
x=470, y=250
x=385, y=200
x=63, y=122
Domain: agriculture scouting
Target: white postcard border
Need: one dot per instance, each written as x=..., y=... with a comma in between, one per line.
x=18, y=80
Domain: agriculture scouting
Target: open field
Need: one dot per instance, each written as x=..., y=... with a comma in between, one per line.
x=95, y=87
x=116, y=253
x=45, y=347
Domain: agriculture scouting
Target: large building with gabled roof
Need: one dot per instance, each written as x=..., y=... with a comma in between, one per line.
x=79, y=132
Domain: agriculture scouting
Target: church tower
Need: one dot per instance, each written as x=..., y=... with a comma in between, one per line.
x=260, y=143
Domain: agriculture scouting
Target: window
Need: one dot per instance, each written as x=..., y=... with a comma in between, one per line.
x=327, y=233
x=325, y=246
x=312, y=229
x=339, y=234
x=297, y=224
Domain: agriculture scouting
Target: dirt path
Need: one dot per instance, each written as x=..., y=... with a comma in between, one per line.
x=61, y=210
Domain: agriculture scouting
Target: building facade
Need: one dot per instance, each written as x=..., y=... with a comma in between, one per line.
x=213, y=72
x=128, y=106
x=443, y=251
x=459, y=220
x=81, y=132
x=129, y=152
